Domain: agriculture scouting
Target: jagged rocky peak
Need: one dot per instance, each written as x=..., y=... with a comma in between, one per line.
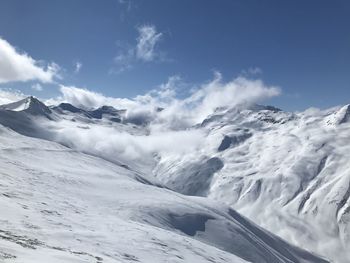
x=30, y=105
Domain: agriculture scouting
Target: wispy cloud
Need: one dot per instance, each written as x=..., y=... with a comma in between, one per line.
x=126, y=3
x=126, y=6
x=77, y=67
x=37, y=87
x=146, y=43
x=19, y=66
x=145, y=50
x=125, y=59
x=252, y=71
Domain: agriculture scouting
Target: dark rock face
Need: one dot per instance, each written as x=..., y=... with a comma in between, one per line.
x=114, y=114
x=36, y=107
x=69, y=107
x=189, y=223
x=225, y=143
x=197, y=177
x=229, y=141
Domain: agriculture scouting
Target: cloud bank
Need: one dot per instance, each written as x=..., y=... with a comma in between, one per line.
x=164, y=107
x=16, y=66
x=166, y=118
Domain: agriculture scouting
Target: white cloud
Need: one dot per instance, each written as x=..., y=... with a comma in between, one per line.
x=126, y=147
x=146, y=42
x=145, y=49
x=78, y=66
x=37, y=87
x=88, y=99
x=217, y=94
x=177, y=112
x=16, y=66
x=9, y=95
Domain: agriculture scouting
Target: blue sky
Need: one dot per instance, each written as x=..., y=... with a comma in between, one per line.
x=126, y=48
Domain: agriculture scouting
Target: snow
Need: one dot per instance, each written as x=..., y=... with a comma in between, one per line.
x=60, y=205
x=17, y=106
x=290, y=174
x=115, y=190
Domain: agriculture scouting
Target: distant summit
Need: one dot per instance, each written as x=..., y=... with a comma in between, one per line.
x=105, y=112
x=67, y=107
x=30, y=105
x=111, y=112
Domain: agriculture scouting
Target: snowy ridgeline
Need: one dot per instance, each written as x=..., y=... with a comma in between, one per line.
x=287, y=172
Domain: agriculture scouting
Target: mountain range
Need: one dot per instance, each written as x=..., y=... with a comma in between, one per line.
x=250, y=183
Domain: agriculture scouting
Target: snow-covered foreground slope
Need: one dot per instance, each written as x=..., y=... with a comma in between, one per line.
x=60, y=205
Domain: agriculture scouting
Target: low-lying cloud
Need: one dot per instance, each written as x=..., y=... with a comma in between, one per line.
x=135, y=150
x=166, y=120
x=163, y=106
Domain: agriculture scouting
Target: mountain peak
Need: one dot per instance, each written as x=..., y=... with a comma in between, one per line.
x=68, y=107
x=106, y=110
x=30, y=105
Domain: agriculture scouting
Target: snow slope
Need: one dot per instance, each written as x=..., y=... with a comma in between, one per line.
x=60, y=205
x=288, y=172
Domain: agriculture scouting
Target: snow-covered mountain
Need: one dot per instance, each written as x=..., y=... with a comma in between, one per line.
x=288, y=172
x=114, y=190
